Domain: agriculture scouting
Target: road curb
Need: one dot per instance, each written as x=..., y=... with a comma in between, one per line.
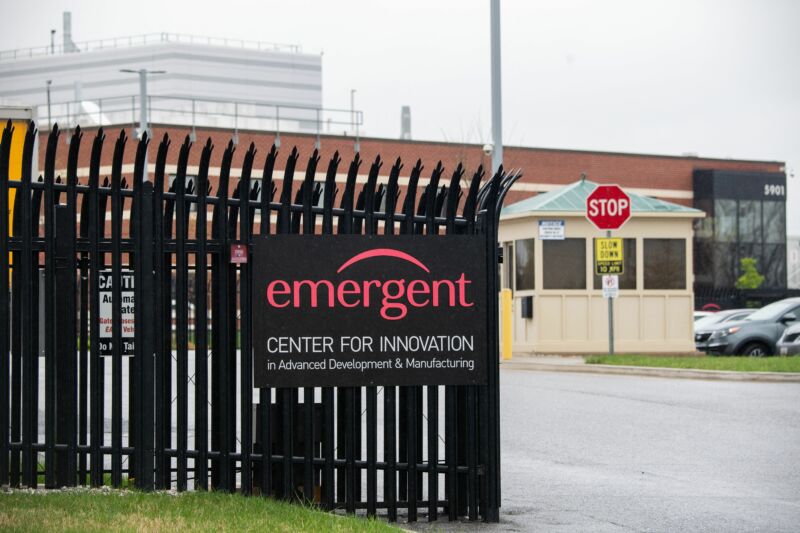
x=681, y=373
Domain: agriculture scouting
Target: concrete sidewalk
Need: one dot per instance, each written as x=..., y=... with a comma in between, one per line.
x=554, y=363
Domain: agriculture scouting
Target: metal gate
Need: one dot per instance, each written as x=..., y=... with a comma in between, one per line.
x=116, y=400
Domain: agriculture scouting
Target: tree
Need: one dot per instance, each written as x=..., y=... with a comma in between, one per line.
x=750, y=278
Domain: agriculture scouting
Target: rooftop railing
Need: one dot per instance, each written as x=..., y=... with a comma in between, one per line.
x=146, y=39
x=196, y=113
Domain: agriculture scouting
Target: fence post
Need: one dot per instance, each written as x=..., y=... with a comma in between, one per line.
x=96, y=363
x=66, y=342
x=28, y=281
x=144, y=332
x=50, y=336
x=5, y=147
x=201, y=326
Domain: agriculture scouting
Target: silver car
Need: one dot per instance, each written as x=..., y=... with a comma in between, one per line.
x=720, y=317
x=707, y=324
x=756, y=335
x=789, y=343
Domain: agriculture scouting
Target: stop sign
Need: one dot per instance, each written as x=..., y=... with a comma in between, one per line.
x=608, y=207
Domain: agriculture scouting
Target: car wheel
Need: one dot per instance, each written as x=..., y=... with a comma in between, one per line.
x=756, y=349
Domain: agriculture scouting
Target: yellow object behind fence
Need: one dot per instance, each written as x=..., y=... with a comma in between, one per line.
x=506, y=319
x=14, y=166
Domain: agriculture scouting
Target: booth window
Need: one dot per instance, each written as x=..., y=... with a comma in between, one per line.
x=627, y=280
x=564, y=264
x=665, y=264
x=523, y=265
x=508, y=266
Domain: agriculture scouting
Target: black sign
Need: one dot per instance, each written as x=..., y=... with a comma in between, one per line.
x=352, y=310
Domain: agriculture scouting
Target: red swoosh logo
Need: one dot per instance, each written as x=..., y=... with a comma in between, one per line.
x=383, y=252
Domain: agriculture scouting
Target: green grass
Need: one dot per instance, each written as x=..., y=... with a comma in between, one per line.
x=741, y=364
x=125, y=484
x=193, y=511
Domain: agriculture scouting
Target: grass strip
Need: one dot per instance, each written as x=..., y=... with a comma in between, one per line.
x=739, y=364
x=113, y=510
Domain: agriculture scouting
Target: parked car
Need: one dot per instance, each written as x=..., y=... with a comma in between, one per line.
x=701, y=314
x=789, y=344
x=721, y=317
x=757, y=335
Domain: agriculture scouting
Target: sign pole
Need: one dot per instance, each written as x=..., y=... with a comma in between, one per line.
x=610, y=317
x=608, y=208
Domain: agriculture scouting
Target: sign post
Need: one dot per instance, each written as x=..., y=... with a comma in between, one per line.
x=610, y=317
x=608, y=208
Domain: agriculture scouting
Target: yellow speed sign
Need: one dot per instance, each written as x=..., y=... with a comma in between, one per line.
x=608, y=256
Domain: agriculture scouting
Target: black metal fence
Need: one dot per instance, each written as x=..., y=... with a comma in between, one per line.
x=174, y=414
x=714, y=299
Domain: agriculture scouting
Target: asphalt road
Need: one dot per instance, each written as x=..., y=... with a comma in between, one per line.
x=588, y=452
x=592, y=452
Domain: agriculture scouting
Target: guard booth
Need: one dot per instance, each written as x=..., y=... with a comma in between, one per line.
x=558, y=298
x=212, y=322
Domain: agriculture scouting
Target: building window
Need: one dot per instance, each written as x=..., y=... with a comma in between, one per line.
x=384, y=196
x=704, y=227
x=725, y=221
x=627, y=280
x=193, y=179
x=704, y=261
x=564, y=264
x=774, y=222
x=725, y=264
x=749, y=221
x=665, y=264
x=523, y=265
x=258, y=182
x=773, y=265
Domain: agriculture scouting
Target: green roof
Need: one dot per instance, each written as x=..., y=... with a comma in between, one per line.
x=573, y=198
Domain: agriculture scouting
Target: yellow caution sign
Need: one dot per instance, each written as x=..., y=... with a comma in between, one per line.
x=608, y=256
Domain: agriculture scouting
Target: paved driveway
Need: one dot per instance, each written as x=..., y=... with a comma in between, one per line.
x=626, y=453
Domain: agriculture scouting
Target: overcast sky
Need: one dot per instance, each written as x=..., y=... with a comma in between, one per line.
x=716, y=78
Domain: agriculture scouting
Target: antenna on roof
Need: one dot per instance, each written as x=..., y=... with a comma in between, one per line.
x=583, y=177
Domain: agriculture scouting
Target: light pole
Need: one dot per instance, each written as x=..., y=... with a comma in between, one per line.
x=497, y=97
x=49, y=119
x=353, y=122
x=352, y=110
x=143, y=72
x=52, y=42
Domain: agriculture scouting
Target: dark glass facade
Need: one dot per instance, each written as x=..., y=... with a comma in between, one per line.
x=745, y=217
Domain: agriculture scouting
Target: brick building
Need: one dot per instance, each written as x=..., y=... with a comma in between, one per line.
x=744, y=201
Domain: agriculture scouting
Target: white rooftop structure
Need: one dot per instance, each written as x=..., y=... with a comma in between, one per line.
x=206, y=81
